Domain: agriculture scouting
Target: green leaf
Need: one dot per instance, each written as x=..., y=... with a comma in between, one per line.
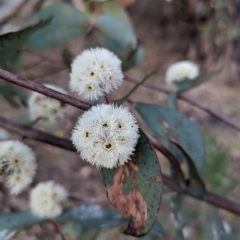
x=187, y=84
x=93, y=216
x=176, y=209
x=118, y=37
x=112, y=8
x=215, y=225
x=177, y=128
x=222, y=181
x=122, y=100
x=10, y=43
x=157, y=230
x=135, y=188
x=67, y=23
x=172, y=101
x=11, y=93
x=11, y=223
x=196, y=186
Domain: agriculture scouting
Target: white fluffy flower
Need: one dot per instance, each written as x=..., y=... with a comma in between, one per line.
x=106, y=135
x=95, y=72
x=46, y=199
x=50, y=110
x=181, y=70
x=17, y=165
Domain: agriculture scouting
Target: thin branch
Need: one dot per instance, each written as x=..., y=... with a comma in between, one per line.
x=172, y=160
x=23, y=82
x=191, y=101
x=57, y=229
x=208, y=197
x=64, y=143
x=35, y=134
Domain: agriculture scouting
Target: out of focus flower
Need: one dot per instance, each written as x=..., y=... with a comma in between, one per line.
x=48, y=109
x=180, y=71
x=106, y=135
x=95, y=72
x=46, y=199
x=17, y=165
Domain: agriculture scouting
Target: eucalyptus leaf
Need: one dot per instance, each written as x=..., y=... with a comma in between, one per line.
x=6, y=234
x=215, y=225
x=11, y=223
x=178, y=129
x=93, y=216
x=135, y=188
x=172, y=101
x=176, y=209
x=67, y=23
x=112, y=8
x=157, y=229
x=118, y=37
x=10, y=43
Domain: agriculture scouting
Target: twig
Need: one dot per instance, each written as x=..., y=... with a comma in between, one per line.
x=171, y=158
x=35, y=134
x=57, y=229
x=106, y=99
x=208, y=197
x=10, y=77
x=64, y=143
x=191, y=101
x=34, y=122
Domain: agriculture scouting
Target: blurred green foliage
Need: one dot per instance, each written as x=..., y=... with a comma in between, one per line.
x=217, y=173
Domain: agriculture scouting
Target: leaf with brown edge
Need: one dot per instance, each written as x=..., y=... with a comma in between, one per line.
x=135, y=188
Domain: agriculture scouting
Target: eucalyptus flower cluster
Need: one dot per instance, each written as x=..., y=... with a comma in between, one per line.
x=17, y=165
x=106, y=135
x=95, y=73
x=46, y=199
x=180, y=71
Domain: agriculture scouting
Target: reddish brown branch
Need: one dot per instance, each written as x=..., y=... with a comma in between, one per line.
x=64, y=143
x=35, y=134
x=208, y=197
x=23, y=82
x=171, y=159
x=57, y=229
x=191, y=101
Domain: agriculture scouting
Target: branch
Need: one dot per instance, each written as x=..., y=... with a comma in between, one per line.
x=172, y=160
x=23, y=82
x=35, y=134
x=191, y=101
x=64, y=143
x=208, y=197
x=57, y=229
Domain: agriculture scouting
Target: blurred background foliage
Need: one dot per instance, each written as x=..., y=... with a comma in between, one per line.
x=146, y=35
